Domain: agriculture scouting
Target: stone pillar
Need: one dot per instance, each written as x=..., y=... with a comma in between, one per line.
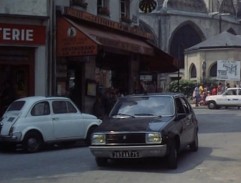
x=133, y=74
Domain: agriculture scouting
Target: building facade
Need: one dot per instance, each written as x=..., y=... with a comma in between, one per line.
x=23, y=49
x=119, y=44
x=201, y=60
x=100, y=48
x=74, y=48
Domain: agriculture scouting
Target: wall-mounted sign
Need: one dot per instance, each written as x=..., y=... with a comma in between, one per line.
x=105, y=22
x=16, y=34
x=228, y=70
x=71, y=42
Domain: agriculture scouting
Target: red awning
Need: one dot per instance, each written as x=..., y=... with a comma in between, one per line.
x=81, y=40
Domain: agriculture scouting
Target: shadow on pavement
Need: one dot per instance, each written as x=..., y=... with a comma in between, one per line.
x=187, y=161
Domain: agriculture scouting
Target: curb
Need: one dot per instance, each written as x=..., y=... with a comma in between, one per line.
x=199, y=107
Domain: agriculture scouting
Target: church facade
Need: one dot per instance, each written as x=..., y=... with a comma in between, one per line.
x=180, y=24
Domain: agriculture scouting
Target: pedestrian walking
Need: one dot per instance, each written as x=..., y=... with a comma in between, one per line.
x=196, y=95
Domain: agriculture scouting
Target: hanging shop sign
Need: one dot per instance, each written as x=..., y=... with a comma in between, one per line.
x=16, y=34
x=71, y=42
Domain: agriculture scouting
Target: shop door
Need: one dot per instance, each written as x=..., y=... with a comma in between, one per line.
x=76, y=83
x=14, y=83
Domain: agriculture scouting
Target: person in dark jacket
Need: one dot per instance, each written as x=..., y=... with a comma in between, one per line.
x=99, y=107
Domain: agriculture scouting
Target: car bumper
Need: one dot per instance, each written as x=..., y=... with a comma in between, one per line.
x=9, y=138
x=143, y=151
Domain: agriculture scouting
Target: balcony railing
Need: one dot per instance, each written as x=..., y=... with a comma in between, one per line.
x=126, y=19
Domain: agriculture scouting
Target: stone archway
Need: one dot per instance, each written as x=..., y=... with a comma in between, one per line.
x=185, y=36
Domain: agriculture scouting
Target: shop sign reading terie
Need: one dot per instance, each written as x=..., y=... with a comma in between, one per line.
x=16, y=34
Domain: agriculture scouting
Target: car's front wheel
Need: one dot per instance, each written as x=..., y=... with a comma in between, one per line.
x=101, y=161
x=32, y=142
x=194, y=144
x=172, y=156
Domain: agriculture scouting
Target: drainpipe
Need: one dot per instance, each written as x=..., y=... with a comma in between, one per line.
x=52, y=53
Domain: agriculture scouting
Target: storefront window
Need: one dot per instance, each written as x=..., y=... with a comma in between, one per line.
x=71, y=79
x=148, y=83
x=103, y=79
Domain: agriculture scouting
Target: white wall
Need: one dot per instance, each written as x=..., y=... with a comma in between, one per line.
x=210, y=56
x=41, y=71
x=24, y=7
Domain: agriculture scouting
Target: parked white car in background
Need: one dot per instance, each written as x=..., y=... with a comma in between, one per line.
x=230, y=98
x=33, y=121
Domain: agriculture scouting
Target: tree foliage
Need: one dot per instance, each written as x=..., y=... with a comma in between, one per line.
x=185, y=86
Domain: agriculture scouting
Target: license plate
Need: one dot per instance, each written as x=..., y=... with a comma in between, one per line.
x=125, y=154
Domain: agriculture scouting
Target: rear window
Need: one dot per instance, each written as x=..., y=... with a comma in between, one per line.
x=16, y=106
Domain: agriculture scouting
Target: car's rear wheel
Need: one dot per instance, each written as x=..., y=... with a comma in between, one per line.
x=101, y=161
x=172, y=156
x=212, y=105
x=32, y=142
x=194, y=144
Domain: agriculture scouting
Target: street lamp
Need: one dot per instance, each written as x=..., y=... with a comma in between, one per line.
x=220, y=18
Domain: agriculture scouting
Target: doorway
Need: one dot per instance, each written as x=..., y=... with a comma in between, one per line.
x=75, y=83
x=14, y=83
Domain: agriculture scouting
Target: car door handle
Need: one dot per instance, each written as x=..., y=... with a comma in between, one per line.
x=55, y=118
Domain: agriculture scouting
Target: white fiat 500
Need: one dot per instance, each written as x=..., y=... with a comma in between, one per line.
x=33, y=121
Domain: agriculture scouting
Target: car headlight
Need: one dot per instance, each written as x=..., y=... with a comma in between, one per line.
x=153, y=138
x=98, y=139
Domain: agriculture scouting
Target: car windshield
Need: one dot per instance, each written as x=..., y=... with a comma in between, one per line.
x=16, y=106
x=143, y=106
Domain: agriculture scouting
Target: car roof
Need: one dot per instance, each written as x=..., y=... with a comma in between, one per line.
x=38, y=98
x=172, y=94
x=233, y=88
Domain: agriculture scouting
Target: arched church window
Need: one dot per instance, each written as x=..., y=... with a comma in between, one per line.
x=193, y=71
x=213, y=70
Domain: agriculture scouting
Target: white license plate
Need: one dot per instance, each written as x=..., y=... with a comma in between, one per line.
x=125, y=154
